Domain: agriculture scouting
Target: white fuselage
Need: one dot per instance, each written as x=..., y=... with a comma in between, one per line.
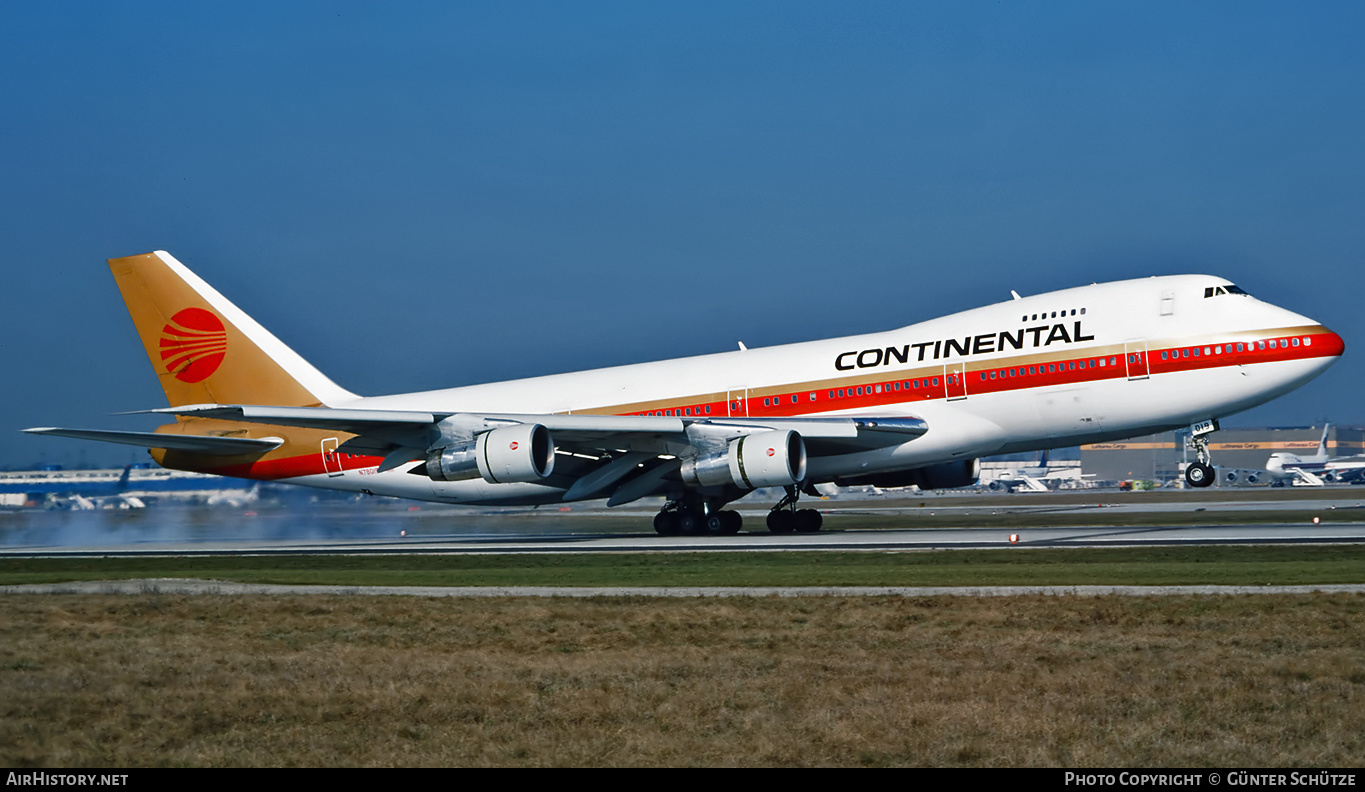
x=986, y=381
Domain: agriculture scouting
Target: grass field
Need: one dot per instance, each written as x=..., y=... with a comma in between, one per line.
x=1175, y=681
x=1208, y=565
x=1215, y=681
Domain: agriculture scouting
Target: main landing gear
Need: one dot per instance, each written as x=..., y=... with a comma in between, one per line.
x=696, y=517
x=1200, y=473
x=692, y=515
x=785, y=518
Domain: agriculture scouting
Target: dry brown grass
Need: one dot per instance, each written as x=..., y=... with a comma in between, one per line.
x=322, y=681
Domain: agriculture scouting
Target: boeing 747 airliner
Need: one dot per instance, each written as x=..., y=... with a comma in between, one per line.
x=915, y=405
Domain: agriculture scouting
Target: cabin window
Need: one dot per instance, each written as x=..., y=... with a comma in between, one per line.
x=1207, y=351
x=992, y=375
x=1307, y=341
x=935, y=380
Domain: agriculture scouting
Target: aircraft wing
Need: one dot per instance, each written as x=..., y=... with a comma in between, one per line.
x=199, y=444
x=398, y=433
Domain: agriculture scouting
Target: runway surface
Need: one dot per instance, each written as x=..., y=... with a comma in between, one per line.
x=1085, y=519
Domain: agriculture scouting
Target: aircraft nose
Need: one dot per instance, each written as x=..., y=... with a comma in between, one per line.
x=1326, y=343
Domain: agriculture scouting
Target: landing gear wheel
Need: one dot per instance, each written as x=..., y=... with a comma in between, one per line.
x=781, y=522
x=691, y=523
x=808, y=521
x=1199, y=475
x=724, y=523
x=666, y=523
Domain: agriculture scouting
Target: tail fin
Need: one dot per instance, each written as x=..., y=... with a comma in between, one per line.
x=204, y=349
x=1322, y=444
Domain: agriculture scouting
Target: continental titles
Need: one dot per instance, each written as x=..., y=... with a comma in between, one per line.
x=942, y=349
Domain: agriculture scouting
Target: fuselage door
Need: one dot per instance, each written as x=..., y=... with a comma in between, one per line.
x=737, y=405
x=955, y=381
x=331, y=460
x=1135, y=353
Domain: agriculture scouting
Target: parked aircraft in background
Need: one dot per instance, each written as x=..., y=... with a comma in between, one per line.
x=916, y=405
x=1038, y=477
x=1314, y=470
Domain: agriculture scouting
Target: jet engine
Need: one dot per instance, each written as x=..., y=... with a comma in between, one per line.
x=521, y=453
x=763, y=459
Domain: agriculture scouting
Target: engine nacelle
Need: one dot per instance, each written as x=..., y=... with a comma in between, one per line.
x=521, y=453
x=947, y=475
x=763, y=459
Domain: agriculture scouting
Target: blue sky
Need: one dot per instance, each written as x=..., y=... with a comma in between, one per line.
x=423, y=195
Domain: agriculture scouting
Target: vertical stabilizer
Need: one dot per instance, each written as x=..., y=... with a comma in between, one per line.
x=204, y=349
x=1322, y=444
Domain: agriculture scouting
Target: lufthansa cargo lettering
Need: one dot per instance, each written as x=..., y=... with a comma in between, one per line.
x=970, y=345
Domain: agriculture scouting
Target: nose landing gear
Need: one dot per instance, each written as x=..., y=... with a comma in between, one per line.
x=1200, y=473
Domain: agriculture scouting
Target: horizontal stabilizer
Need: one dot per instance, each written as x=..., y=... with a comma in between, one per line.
x=198, y=444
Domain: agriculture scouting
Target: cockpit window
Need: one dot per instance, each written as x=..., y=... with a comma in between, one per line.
x=1214, y=291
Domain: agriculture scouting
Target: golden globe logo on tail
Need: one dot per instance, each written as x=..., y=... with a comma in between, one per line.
x=193, y=345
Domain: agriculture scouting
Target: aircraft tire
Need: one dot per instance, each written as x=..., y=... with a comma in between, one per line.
x=1199, y=475
x=808, y=521
x=666, y=524
x=732, y=522
x=781, y=522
